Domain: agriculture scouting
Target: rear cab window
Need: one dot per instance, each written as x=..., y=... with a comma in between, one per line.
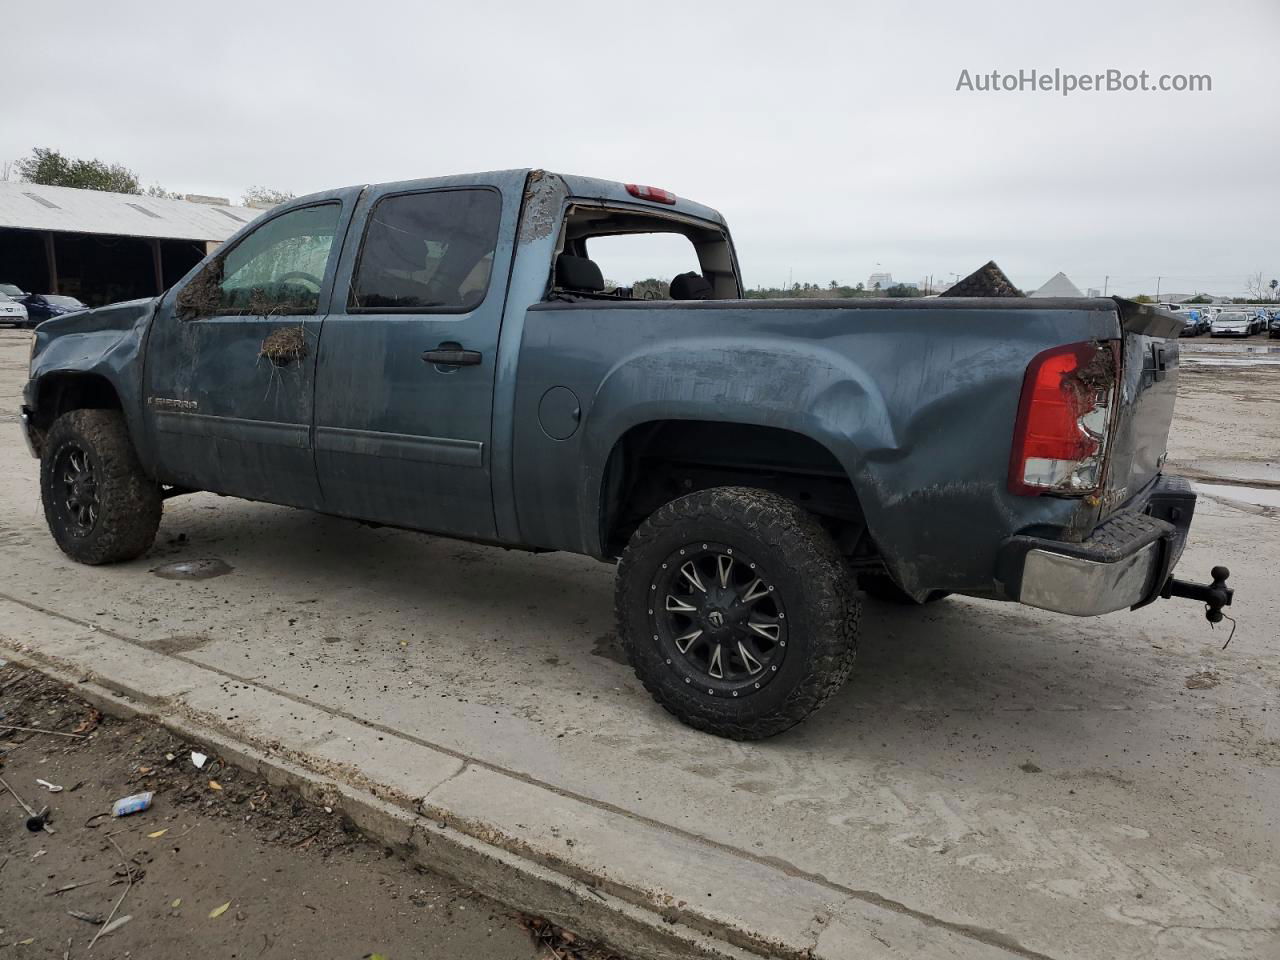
x=612, y=253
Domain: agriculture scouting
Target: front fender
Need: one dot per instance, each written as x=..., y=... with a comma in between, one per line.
x=108, y=342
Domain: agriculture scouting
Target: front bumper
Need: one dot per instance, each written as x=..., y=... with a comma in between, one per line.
x=30, y=433
x=1125, y=562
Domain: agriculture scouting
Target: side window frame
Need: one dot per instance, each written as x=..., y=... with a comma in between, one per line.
x=356, y=311
x=219, y=257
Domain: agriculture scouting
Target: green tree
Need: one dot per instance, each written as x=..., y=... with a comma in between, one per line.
x=265, y=196
x=901, y=290
x=49, y=167
x=1143, y=298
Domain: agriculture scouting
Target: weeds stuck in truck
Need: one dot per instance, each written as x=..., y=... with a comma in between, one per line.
x=445, y=355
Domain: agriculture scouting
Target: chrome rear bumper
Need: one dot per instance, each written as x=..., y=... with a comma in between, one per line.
x=1125, y=562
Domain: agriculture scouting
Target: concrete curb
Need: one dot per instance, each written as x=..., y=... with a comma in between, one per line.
x=641, y=887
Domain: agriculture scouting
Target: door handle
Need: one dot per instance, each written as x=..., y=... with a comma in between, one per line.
x=451, y=354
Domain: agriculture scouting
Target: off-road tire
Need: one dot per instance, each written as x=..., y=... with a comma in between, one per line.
x=810, y=576
x=880, y=586
x=129, y=502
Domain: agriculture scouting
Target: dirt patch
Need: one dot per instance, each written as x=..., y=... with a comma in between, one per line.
x=285, y=345
x=608, y=646
x=222, y=864
x=1204, y=680
x=181, y=644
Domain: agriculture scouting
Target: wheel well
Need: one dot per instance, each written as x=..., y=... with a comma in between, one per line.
x=59, y=393
x=656, y=462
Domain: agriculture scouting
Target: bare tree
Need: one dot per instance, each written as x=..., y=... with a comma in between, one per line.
x=1256, y=287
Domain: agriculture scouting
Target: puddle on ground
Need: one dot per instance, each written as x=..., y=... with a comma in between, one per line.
x=193, y=569
x=1230, y=354
x=1258, y=496
x=1263, y=473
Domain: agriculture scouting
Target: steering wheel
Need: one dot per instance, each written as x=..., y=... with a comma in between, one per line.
x=300, y=275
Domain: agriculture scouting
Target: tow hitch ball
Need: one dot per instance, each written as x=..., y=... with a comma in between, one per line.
x=1214, y=596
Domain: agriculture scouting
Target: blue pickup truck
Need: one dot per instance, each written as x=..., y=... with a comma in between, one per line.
x=445, y=355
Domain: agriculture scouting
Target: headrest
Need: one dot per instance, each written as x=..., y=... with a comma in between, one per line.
x=578, y=273
x=691, y=286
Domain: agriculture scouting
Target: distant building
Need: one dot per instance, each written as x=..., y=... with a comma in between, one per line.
x=104, y=247
x=1057, y=286
x=885, y=281
x=1094, y=292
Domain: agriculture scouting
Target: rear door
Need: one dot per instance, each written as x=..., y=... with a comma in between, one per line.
x=231, y=358
x=404, y=385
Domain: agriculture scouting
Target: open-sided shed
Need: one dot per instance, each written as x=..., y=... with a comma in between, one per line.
x=103, y=247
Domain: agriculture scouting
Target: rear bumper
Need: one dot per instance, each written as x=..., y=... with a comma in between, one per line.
x=1123, y=563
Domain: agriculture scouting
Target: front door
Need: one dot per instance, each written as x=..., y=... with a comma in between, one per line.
x=231, y=359
x=404, y=385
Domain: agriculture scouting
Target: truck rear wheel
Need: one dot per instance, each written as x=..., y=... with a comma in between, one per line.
x=737, y=611
x=100, y=505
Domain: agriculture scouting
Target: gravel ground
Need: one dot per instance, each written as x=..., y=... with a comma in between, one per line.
x=222, y=864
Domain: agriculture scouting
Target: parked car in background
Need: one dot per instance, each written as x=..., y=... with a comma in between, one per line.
x=11, y=311
x=13, y=291
x=42, y=306
x=1273, y=330
x=1190, y=324
x=1260, y=320
x=1235, y=323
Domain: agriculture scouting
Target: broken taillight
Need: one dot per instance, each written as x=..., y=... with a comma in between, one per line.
x=656, y=194
x=1064, y=417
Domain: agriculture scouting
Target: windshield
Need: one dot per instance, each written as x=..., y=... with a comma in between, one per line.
x=1232, y=318
x=62, y=301
x=10, y=290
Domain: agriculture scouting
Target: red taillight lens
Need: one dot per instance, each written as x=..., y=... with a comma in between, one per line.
x=656, y=194
x=1064, y=417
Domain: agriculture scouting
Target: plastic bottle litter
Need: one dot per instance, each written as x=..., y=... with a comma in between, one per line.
x=134, y=804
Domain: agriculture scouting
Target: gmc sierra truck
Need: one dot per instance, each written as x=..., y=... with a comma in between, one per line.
x=444, y=355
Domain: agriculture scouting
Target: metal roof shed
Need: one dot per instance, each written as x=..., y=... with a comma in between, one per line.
x=103, y=239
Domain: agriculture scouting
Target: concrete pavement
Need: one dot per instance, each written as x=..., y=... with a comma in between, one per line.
x=994, y=781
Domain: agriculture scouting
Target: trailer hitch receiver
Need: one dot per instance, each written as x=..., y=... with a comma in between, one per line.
x=1214, y=596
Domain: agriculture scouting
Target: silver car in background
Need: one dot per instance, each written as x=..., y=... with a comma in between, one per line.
x=1231, y=324
x=11, y=311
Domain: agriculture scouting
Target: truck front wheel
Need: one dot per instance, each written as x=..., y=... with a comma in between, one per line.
x=737, y=611
x=100, y=505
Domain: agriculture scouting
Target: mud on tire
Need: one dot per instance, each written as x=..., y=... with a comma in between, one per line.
x=100, y=505
x=771, y=600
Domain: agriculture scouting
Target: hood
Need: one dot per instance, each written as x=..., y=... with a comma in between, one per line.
x=114, y=316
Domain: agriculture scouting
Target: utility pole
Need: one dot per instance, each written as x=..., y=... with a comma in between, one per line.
x=1106, y=282
x=1158, y=279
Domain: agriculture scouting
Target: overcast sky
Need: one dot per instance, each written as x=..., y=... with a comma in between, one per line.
x=831, y=135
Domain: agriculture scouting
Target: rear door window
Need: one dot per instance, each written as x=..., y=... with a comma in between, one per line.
x=427, y=252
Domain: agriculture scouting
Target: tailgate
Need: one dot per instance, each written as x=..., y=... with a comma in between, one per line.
x=1148, y=388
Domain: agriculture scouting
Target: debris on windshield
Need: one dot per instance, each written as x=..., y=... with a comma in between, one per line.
x=201, y=296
